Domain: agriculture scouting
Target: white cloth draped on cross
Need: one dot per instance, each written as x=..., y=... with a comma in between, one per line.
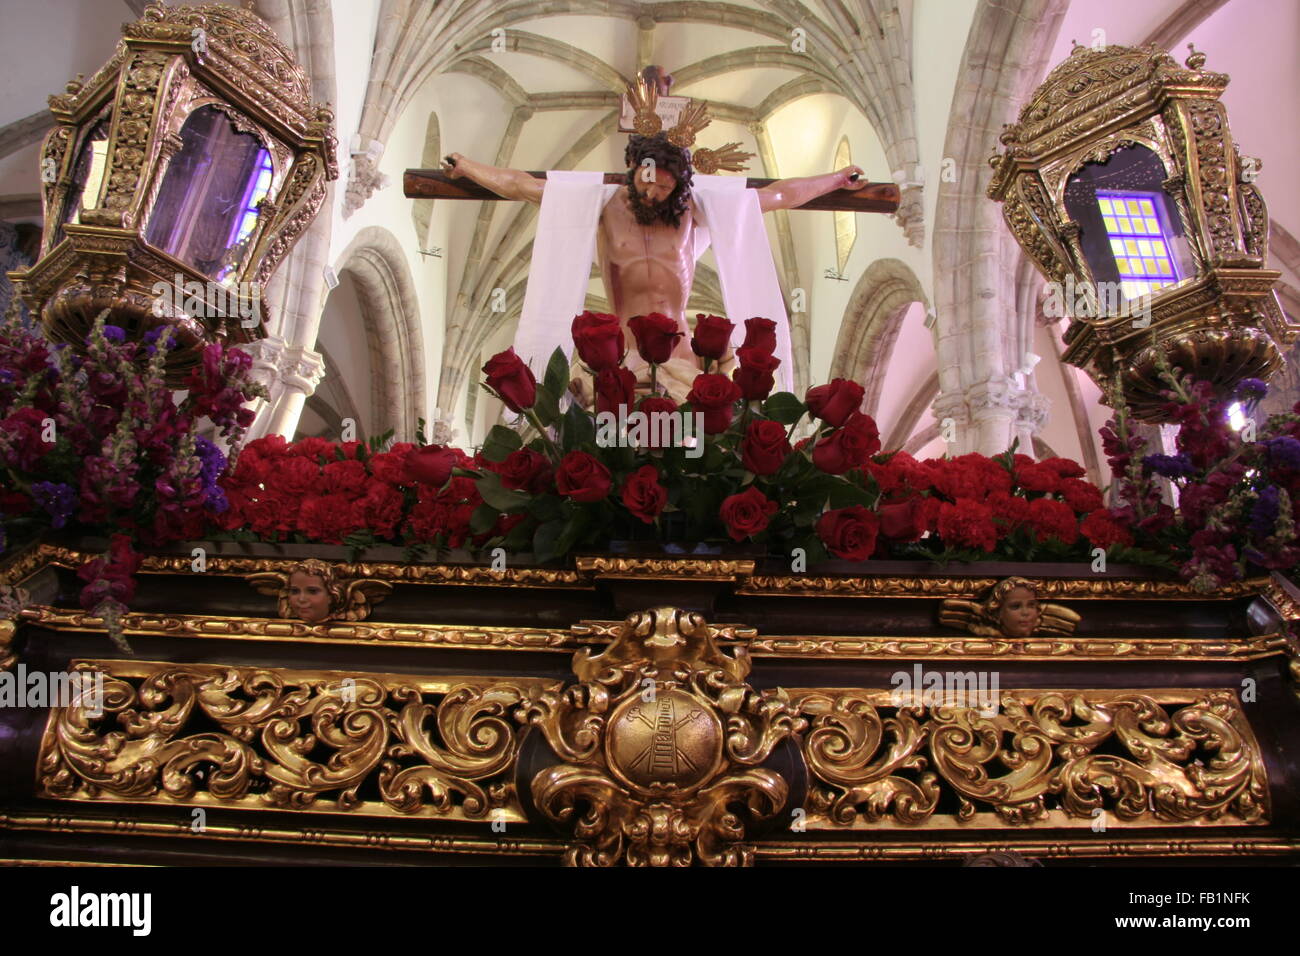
x=565, y=246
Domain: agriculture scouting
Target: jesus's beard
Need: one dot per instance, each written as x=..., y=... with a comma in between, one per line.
x=647, y=212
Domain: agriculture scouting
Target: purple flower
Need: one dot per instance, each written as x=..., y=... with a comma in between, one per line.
x=56, y=498
x=114, y=334
x=151, y=340
x=211, y=462
x=1263, y=515
x=1250, y=390
x=216, y=500
x=1170, y=466
x=1284, y=452
x=7, y=376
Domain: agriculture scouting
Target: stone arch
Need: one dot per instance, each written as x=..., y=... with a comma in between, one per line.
x=422, y=209
x=871, y=322
x=391, y=312
x=974, y=254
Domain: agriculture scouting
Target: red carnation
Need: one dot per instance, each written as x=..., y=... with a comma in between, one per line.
x=747, y=514
x=834, y=403
x=1036, y=477
x=615, y=387
x=760, y=335
x=387, y=466
x=765, y=447
x=598, y=337
x=967, y=523
x=582, y=477
x=1053, y=519
x=849, y=533
x=1103, y=531
x=754, y=377
x=849, y=447
x=656, y=336
x=1082, y=496
x=712, y=336
x=643, y=495
x=509, y=377
x=345, y=477
x=1064, y=467
x=715, y=396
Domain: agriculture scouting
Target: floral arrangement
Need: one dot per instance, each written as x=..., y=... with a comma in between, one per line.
x=97, y=442
x=1236, y=487
x=559, y=483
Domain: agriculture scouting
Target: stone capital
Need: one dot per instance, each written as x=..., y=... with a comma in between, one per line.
x=301, y=369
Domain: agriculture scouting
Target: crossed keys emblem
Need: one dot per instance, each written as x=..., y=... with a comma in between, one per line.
x=663, y=757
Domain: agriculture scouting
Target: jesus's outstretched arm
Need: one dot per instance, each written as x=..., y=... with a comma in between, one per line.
x=506, y=183
x=790, y=193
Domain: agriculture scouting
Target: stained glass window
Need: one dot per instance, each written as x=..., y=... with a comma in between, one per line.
x=1138, y=241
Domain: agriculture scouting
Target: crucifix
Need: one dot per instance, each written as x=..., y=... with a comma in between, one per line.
x=649, y=225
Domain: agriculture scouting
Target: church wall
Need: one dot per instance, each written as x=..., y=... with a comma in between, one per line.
x=343, y=335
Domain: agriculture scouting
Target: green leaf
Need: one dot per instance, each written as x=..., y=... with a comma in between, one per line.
x=556, y=379
x=545, y=508
x=502, y=499
x=419, y=433
x=784, y=407
x=547, y=406
x=500, y=442
x=545, y=539
x=579, y=428
x=483, y=518
x=843, y=495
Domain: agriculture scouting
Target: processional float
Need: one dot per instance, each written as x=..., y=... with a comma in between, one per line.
x=651, y=709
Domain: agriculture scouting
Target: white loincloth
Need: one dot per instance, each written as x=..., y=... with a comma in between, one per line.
x=728, y=217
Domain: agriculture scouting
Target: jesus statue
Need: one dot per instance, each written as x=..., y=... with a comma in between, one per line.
x=649, y=233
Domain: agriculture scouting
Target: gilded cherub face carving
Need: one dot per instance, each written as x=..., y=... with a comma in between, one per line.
x=308, y=597
x=1019, y=615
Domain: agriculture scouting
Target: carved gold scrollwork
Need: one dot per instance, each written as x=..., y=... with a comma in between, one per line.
x=661, y=745
x=287, y=740
x=1182, y=757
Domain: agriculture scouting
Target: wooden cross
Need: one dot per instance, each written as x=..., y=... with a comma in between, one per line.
x=435, y=184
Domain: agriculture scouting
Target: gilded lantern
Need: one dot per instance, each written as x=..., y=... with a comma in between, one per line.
x=1122, y=182
x=176, y=179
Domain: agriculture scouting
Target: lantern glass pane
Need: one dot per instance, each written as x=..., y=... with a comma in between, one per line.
x=201, y=215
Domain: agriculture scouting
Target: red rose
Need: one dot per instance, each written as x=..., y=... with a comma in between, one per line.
x=614, y=387
x=834, y=403
x=524, y=470
x=582, y=478
x=760, y=335
x=659, y=430
x=345, y=477
x=849, y=533
x=509, y=377
x=1102, y=530
x=903, y=520
x=656, y=336
x=643, y=495
x=715, y=396
x=1053, y=519
x=599, y=340
x=431, y=465
x=765, y=447
x=754, y=377
x=747, y=513
x=968, y=524
x=848, y=447
x=1082, y=496
x=712, y=336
